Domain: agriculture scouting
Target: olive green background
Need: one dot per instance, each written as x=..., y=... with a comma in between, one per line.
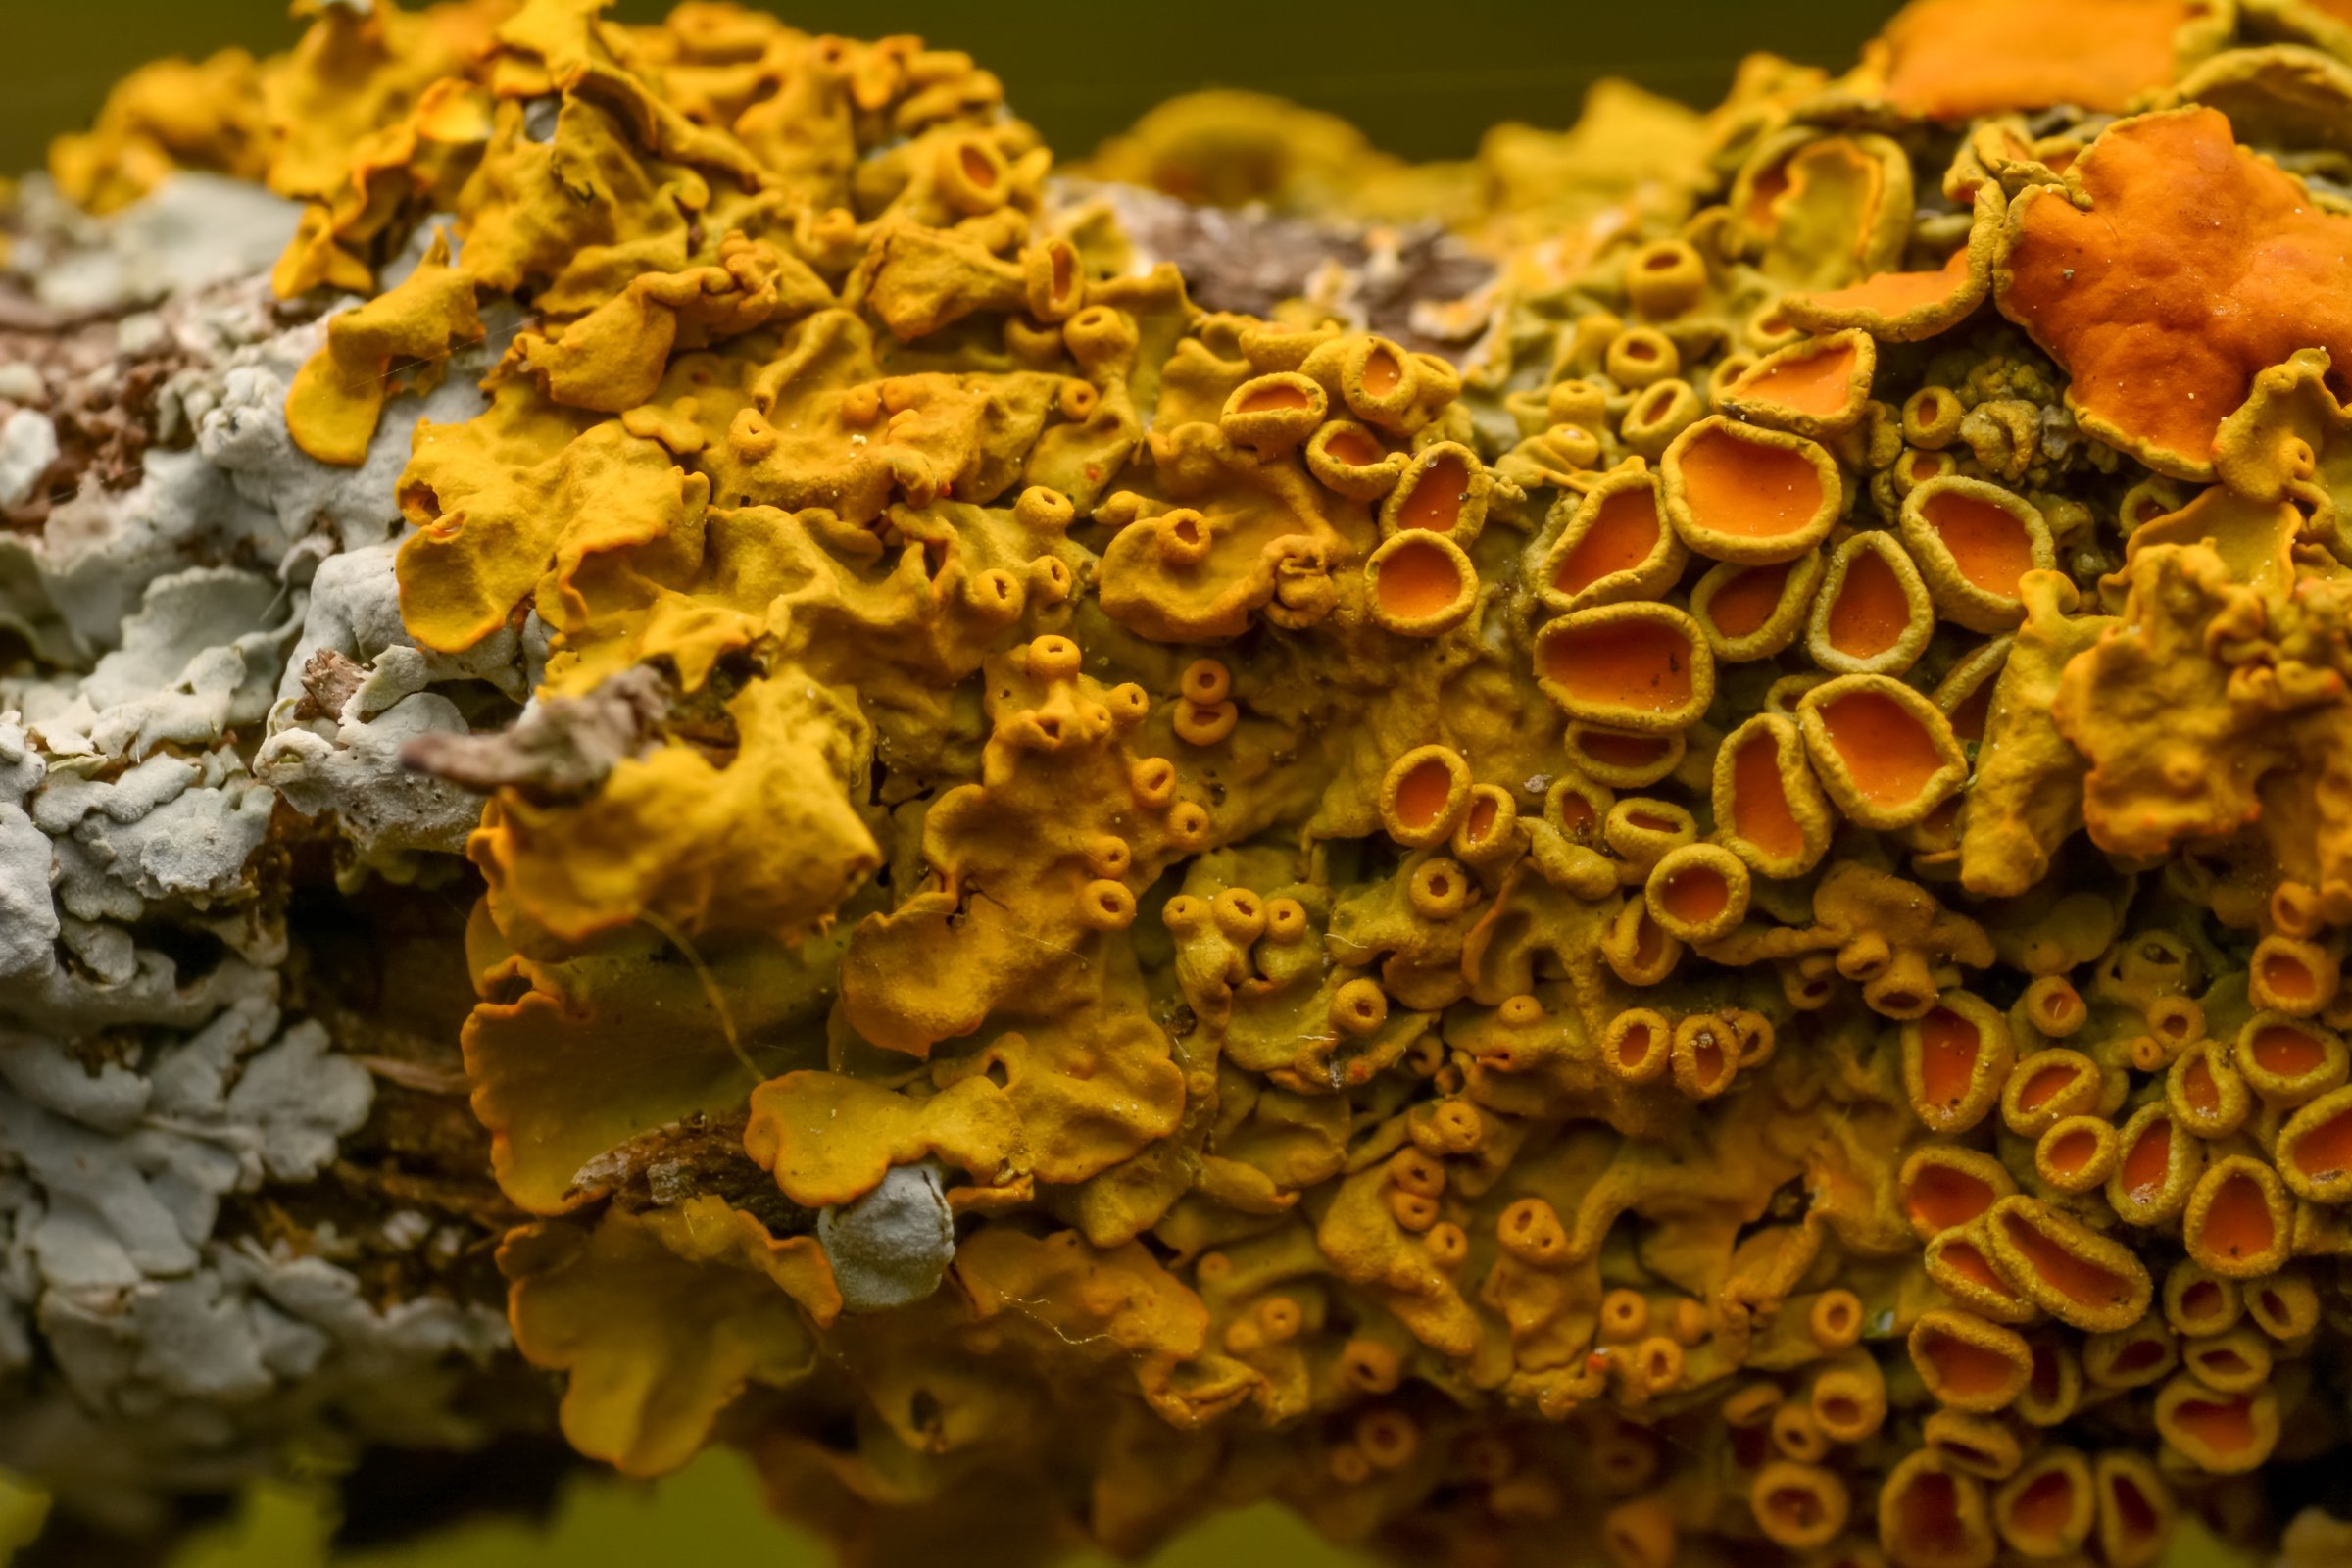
x=1422, y=79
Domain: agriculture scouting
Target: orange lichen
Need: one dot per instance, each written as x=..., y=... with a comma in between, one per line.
x=1640, y=666
x=1422, y=583
x=1737, y=493
x=1816, y=388
x=1884, y=754
x=1615, y=545
x=1754, y=611
x=2116, y=290
x=1957, y=59
x=1871, y=616
x=1975, y=543
x=2075, y=1275
x=1956, y=1061
x=1768, y=808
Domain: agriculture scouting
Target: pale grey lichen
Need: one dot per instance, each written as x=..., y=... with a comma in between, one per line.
x=893, y=1245
x=28, y=446
x=161, y=1084
x=191, y=233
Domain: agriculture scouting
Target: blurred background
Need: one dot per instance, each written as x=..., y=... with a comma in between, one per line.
x=1423, y=82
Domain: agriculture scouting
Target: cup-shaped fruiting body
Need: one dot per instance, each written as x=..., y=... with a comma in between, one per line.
x=1836, y=1318
x=1639, y=830
x=2198, y=1301
x=2130, y=1357
x=1439, y=888
x=1624, y=1317
x=1658, y=413
x=1422, y=584
x=1581, y=809
x=1797, y=1436
x=1975, y=1445
x=2232, y=1362
x=2052, y=1006
x=1799, y=1507
x=1623, y=759
x=2055, y=1390
x=1637, y=949
x=1699, y=892
x=1957, y=1060
x=2048, y=1507
x=1564, y=845
x=1639, y=356
x=1105, y=906
x=2177, y=1022
x=2284, y=1305
x=1706, y=1055
x=1423, y=794
x=1975, y=542
x=1882, y=751
x=1738, y=492
x=1346, y=457
x=2077, y=1153
x=2237, y=1222
x=1638, y=1045
x=1915, y=468
x=1204, y=721
x=1960, y=1266
x=1964, y=696
x=2080, y=1277
x=1639, y=666
x=1384, y=385
x=1615, y=545
x=1819, y=387
x=2289, y=1062
x=1577, y=402
x=1942, y=1187
x=1664, y=278
x=2156, y=1164
x=2134, y=1508
x=1274, y=412
x=1053, y=279
x=2047, y=1087
x=2315, y=1148
x=1850, y=1399
x=1443, y=490
x=1931, y=417
x=1933, y=1514
x=1529, y=1230
x=1640, y=1534
x=1871, y=616
x=1967, y=1362
x=2292, y=975
x=1488, y=827
x=2221, y=1433
x=1754, y=610
x=1240, y=915
x=2205, y=1092
x=1769, y=811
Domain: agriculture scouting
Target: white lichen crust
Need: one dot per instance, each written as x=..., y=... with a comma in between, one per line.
x=164, y=1327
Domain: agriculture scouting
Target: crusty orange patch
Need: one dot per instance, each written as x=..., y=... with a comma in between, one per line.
x=1954, y=59
x=2197, y=266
